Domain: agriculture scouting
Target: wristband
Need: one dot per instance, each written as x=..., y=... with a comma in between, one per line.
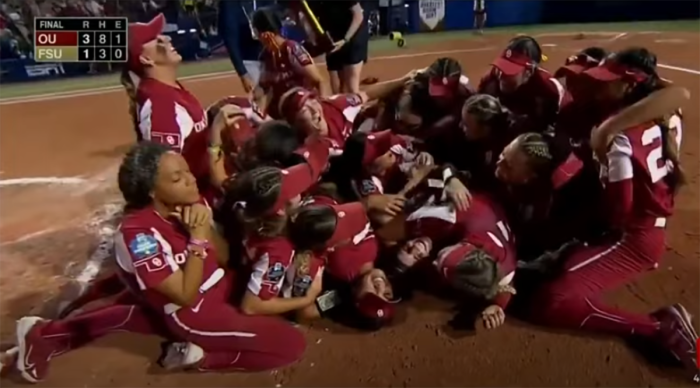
x=215, y=150
x=199, y=243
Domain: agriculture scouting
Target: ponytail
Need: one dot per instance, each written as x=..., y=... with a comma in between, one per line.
x=130, y=88
x=269, y=42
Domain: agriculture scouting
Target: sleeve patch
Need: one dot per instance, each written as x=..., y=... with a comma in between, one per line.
x=301, y=285
x=275, y=273
x=367, y=187
x=300, y=54
x=154, y=264
x=170, y=139
x=144, y=246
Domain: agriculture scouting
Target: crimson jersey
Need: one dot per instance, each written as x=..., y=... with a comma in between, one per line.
x=269, y=259
x=634, y=176
x=484, y=225
x=538, y=101
x=284, y=71
x=340, y=112
x=174, y=117
x=345, y=262
x=150, y=248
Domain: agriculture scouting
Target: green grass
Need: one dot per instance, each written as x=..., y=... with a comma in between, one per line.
x=379, y=46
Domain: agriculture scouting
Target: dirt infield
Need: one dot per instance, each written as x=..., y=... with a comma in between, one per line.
x=51, y=231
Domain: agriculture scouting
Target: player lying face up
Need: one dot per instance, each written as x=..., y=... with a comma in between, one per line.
x=343, y=235
x=472, y=250
x=312, y=114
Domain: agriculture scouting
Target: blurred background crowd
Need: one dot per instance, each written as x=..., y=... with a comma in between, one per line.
x=17, y=17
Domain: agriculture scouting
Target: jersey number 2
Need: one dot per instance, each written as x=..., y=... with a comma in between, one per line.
x=655, y=163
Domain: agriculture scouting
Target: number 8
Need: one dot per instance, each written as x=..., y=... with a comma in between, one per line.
x=656, y=155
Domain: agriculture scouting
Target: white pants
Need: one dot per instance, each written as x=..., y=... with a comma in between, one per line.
x=479, y=5
x=254, y=69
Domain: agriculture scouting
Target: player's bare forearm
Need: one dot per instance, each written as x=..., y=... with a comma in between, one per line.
x=253, y=305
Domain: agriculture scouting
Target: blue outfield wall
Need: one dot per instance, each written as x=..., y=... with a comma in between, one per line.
x=417, y=16
x=441, y=15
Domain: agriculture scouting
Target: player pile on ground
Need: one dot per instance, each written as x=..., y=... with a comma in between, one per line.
x=531, y=196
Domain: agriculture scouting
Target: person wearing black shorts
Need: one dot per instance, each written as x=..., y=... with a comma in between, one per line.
x=346, y=24
x=479, y=16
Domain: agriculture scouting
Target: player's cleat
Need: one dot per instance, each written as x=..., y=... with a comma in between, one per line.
x=678, y=336
x=179, y=355
x=34, y=351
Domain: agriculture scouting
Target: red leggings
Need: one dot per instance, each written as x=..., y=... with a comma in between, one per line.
x=274, y=343
x=573, y=300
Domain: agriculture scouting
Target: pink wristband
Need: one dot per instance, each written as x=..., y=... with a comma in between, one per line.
x=199, y=243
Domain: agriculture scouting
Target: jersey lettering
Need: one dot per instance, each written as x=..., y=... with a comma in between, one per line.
x=658, y=168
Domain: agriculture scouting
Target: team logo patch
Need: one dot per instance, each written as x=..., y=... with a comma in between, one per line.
x=144, y=246
x=301, y=54
x=170, y=139
x=275, y=273
x=301, y=285
x=367, y=187
x=153, y=264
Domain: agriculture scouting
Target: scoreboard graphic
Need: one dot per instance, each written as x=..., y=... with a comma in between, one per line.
x=59, y=39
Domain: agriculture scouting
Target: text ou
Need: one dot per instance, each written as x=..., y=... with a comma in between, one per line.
x=46, y=38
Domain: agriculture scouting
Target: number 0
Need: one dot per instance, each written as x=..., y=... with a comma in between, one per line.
x=117, y=54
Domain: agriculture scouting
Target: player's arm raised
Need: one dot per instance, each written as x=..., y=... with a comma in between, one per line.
x=658, y=104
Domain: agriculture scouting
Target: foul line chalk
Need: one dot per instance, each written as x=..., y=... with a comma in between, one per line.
x=676, y=68
x=206, y=77
x=572, y=33
x=41, y=181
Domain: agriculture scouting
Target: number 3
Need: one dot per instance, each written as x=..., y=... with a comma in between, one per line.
x=655, y=163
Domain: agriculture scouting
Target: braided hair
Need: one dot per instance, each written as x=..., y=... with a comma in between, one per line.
x=528, y=46
x=536, y=147
x=259, y=189
x=444, y=67
x=488, y=111
x=422, y=103
x=138, y=173
x=477, y=275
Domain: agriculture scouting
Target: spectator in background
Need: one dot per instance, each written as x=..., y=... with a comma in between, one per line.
x=112, y=8
x=94, y=8
x=73, y=8
x=243, y=49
